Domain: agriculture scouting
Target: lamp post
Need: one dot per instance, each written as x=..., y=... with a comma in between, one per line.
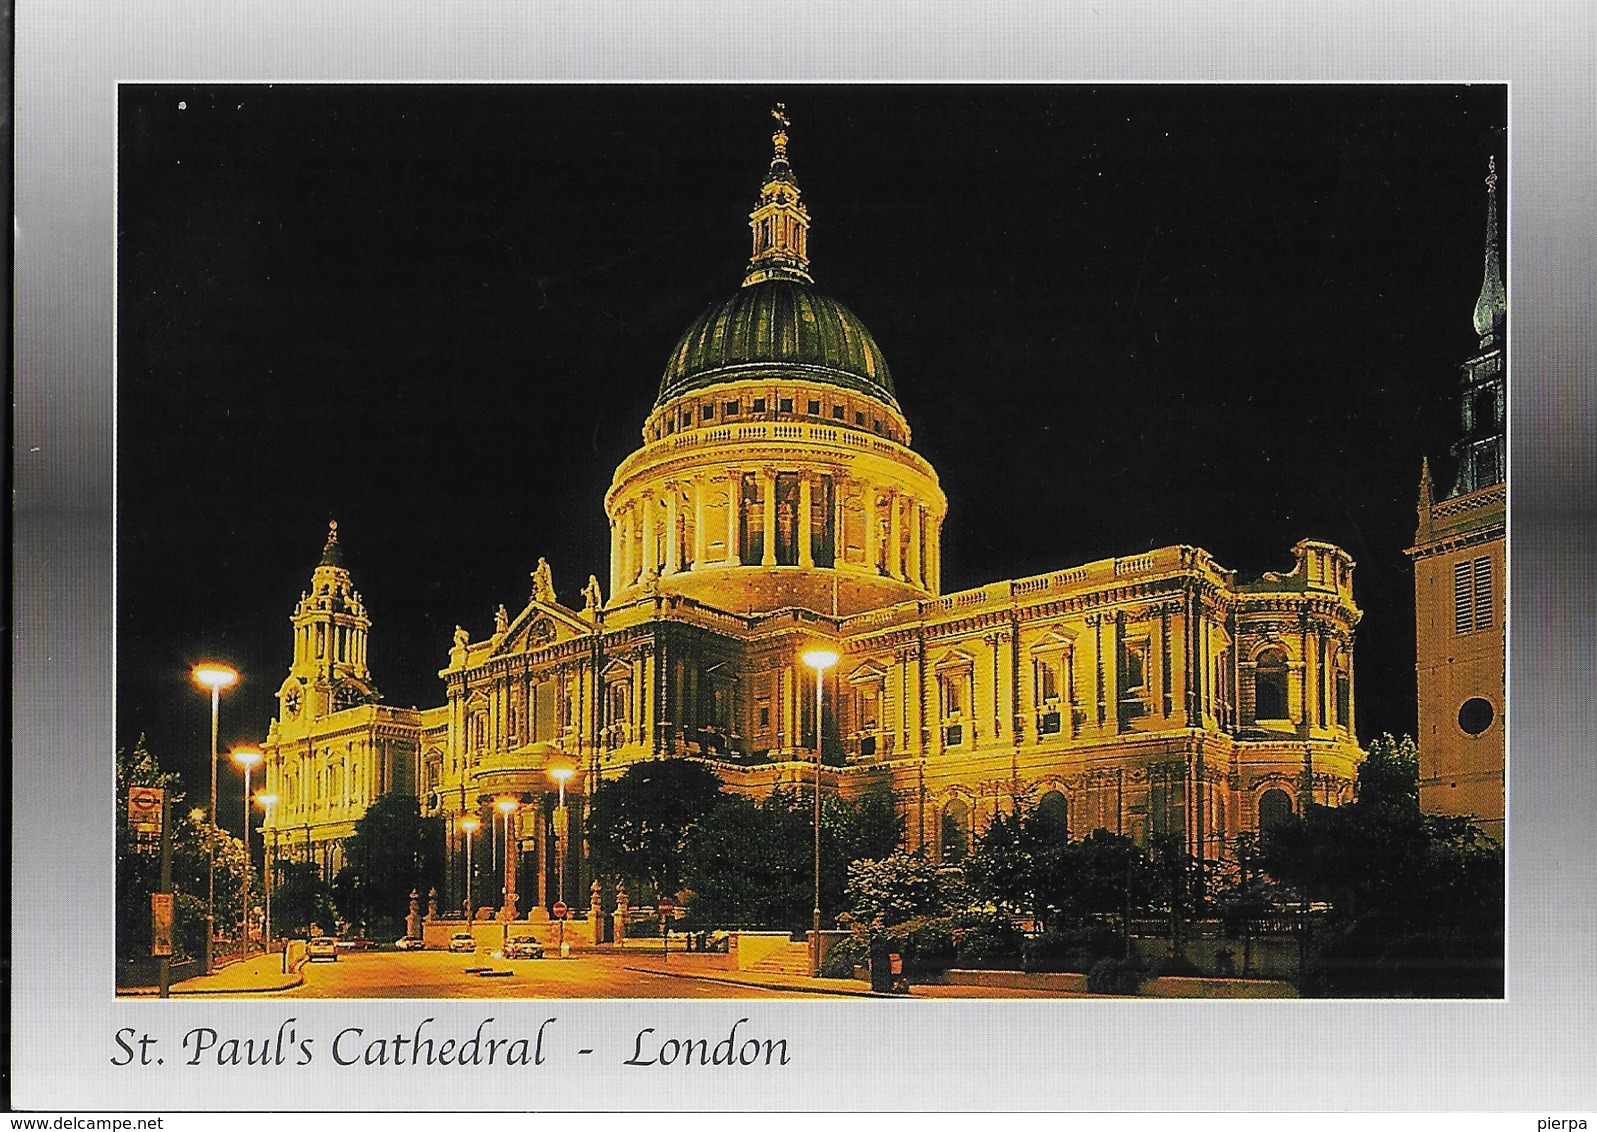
x=561, y=767
x=507, y=806
x=819, y=659
x=246, y=757
x=469, y=827
x=215, y=677
x=266, y=801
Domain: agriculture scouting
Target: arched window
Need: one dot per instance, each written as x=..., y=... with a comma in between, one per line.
x=956, y=832
x=1269, y=685
x=1275, y=807
x=1053, y=817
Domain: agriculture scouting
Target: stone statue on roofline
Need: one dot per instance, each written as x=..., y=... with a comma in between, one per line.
x=543, y=585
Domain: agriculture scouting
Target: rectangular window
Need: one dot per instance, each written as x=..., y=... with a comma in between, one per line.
x=759, y=404
x=1472, y=595
x=822, y=548
x=814, y=408
x=837, y=412
x=708, y=412
x=785, y=405
x=859, y=418
x=731, y=408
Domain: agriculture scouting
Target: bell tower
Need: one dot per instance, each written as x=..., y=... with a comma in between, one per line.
x=1460, y=579
x=329, y=671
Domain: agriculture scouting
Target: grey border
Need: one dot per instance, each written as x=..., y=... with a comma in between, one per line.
x=1534, y=1052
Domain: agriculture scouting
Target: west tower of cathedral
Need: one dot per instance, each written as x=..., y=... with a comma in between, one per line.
x=776, y=503
x=1460, y=579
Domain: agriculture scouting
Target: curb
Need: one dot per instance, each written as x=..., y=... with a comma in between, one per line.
x=153, y=992
x=838, y=992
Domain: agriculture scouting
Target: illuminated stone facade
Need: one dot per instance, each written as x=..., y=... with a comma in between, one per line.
x=1460, y=582
x=776, y=504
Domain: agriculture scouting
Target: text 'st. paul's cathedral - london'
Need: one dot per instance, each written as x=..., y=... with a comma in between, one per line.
x=776, y=504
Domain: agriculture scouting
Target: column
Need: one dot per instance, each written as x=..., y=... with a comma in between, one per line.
x=673, y=538
x=768, y=485
x=895, y=536
x=700, y=541
x=806, y=549
x=734, y=506
x=615, y=555
x=646, y=556
x=917, y=515
x=872, y=534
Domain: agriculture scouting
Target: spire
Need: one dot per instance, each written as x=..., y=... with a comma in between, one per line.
x=1426, y=487
x=779, y=222
x=332, y=555
x=1491, y=308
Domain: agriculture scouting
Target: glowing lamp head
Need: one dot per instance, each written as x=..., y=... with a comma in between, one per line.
x=507, y=806
x=247, y=757
x=470, y=825
x=214, y=676
x=560, y=767
x=264, y=800
x=818, y=658
x=197, y=815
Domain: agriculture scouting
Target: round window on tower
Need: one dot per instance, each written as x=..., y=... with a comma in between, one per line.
x=1476, y=715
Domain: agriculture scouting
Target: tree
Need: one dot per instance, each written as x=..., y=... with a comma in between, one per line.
x=638, y=824
x=138, y=871
x=895, y=889
x=300, y=898
x=1415, y=901
x=393, y=852
x=752, y=864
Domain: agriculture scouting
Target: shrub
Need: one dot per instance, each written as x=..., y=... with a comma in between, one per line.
x=846, y=954
x=990, y=942
x=927, y=945
x=1116, y=976
x=1174, y=965
x=1075, y=950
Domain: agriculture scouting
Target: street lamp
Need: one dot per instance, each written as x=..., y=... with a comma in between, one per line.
x=819, y=659
x=266, y=801
x=247, y=757
x=507, y=806
x=561, y=767
x=215, y=677
x=469, y=827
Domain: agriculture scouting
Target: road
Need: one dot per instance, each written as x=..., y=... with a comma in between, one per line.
x=440, y=974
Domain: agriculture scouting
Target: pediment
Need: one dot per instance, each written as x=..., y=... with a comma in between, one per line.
x=955, y=658
x=870, y=671
x=1054, y=639
x=539, y=625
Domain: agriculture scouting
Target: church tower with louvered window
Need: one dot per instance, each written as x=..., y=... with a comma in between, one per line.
x=1460, y=580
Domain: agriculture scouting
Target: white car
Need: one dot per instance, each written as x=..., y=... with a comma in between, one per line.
x=410, y=943
x=322, y=947
x=462, y=941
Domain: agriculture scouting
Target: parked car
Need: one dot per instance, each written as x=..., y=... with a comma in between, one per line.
x=462, y=941
x=322, y=947
x=355, y=945
x=410, y=943
x=523, y=947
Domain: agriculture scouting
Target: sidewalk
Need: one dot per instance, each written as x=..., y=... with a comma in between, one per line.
x=685, y=968
x=258, y=974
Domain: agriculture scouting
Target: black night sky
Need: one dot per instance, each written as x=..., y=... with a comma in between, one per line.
x=1118, y=317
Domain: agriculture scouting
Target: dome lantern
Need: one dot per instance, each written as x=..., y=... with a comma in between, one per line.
x=779, y=222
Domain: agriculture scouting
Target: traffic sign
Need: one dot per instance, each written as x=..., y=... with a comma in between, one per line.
x=666, y=905
x=144, y=810
x=560, y=909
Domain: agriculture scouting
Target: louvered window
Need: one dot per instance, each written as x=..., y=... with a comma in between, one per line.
x=1472, y=595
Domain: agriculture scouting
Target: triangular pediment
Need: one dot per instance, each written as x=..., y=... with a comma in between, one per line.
x=869, y=671
x=955, y=658
x=1054, y=639
x=539, y=625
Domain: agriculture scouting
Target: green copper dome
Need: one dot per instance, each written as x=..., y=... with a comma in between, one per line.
x=779, y=328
